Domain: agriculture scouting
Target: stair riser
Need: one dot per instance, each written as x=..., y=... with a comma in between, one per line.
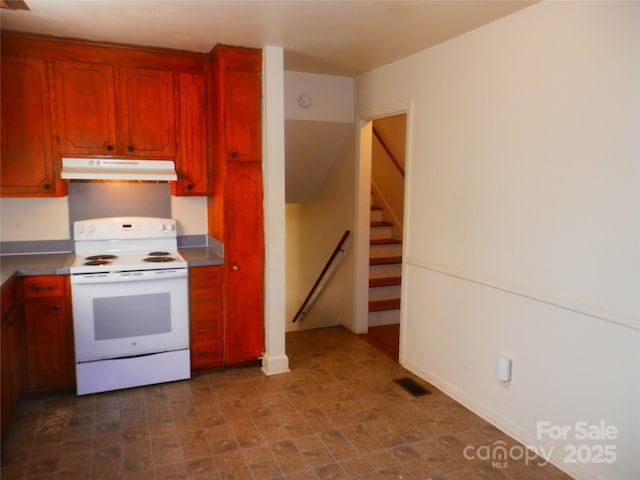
x=376, y=251
x=377, y=233
x=376, y=215
x=384, y=293
x=387, y=317
x=390, y=270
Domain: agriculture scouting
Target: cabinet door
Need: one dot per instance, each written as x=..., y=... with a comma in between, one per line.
x=11, y=365
x=27, y=164
x=147, y=113
x=242, y=90
x=206, y=324
x=6, y=384
x=244, y=270
x=49, y=345
x=84, y=103
x=191, y=157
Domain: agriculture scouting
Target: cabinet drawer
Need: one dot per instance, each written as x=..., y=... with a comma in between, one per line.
x=207, y=353
x=47, y=286
x=206, y=325
x=206, y=299
x=202, y=277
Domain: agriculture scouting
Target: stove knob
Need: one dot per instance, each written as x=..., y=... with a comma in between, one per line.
x=81, y=228
x=91, y=228
x=168, y=227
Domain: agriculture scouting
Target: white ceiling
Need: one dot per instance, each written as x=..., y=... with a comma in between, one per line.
x=327, y=36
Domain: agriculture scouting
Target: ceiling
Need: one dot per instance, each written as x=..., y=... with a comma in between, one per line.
x=326, y=36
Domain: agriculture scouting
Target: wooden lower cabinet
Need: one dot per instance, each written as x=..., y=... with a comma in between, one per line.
x=206, y=316
x=244, y=264
x=49, y=352
x=12, y=339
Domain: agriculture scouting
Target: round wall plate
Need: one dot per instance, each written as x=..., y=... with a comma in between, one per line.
x=304, y=101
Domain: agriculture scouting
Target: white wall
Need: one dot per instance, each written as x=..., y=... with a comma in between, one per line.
x=522, y=220
x=312, y=233
x=314, y=134
x=314, y=226
x=331, y=97
x=24, y=219
x=27, y=219
x=190, y=214
x=387, y=180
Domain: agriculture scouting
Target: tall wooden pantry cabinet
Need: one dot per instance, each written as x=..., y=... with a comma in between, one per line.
x=235, y=209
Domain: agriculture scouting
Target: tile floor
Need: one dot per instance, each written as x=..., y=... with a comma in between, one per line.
x=337, y=415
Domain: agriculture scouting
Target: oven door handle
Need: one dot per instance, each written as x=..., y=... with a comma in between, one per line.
x=132, y=276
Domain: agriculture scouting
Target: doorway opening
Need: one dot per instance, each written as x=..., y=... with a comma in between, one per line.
x=387, y=156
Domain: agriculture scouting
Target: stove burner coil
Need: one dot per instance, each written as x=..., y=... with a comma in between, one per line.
x=101, y=257
x=97, y=262
x=158, y=254
x=159, y=259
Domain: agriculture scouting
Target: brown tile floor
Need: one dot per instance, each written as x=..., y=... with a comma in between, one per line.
x=337, y=415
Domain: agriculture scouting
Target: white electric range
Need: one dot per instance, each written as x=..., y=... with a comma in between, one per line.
x=129, y=295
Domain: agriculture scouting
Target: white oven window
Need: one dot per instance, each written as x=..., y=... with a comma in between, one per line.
x=131, y=316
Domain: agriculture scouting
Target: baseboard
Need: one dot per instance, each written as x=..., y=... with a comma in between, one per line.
x=578, y=471
x=275, y=365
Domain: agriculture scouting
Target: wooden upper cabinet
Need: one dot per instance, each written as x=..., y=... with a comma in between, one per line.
x=147, y=109
x=101, y=110
x=241, y=88
x=191, y=157
x=28, y=166
x=84, y=103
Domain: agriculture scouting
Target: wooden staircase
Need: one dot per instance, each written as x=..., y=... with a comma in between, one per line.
x=385, y=270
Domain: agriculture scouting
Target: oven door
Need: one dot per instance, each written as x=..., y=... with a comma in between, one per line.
x=125, y=314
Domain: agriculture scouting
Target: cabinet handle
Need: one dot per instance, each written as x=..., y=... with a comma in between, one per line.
x=47, y=186
x=234, y=154
x=189, y=186
x=48, y=288
x=110, y=148
x=131, y=148
x=235, y=267
x=56, y=308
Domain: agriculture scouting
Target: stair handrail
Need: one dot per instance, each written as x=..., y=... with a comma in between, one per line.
x=388, y=152
x=336, y=250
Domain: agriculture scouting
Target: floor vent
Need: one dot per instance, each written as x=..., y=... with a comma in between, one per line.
x=412, y=387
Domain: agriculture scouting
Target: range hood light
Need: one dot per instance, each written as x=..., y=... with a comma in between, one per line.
x=115, y=169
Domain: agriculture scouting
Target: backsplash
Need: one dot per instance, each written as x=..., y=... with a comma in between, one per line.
x=45, y=224
x=95, y=200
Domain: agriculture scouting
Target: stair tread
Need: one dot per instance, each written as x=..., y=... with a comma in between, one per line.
x=384, y=241
x=385, y=281
x=382, y=305
x=381, y=224
x=384, y=260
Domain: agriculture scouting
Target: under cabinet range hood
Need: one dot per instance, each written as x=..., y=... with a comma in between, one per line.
x=118, y=169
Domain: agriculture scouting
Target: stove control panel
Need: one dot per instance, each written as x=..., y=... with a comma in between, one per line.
x=120, y=228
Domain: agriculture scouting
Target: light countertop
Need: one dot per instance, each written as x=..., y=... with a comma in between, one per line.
x=59, y=263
